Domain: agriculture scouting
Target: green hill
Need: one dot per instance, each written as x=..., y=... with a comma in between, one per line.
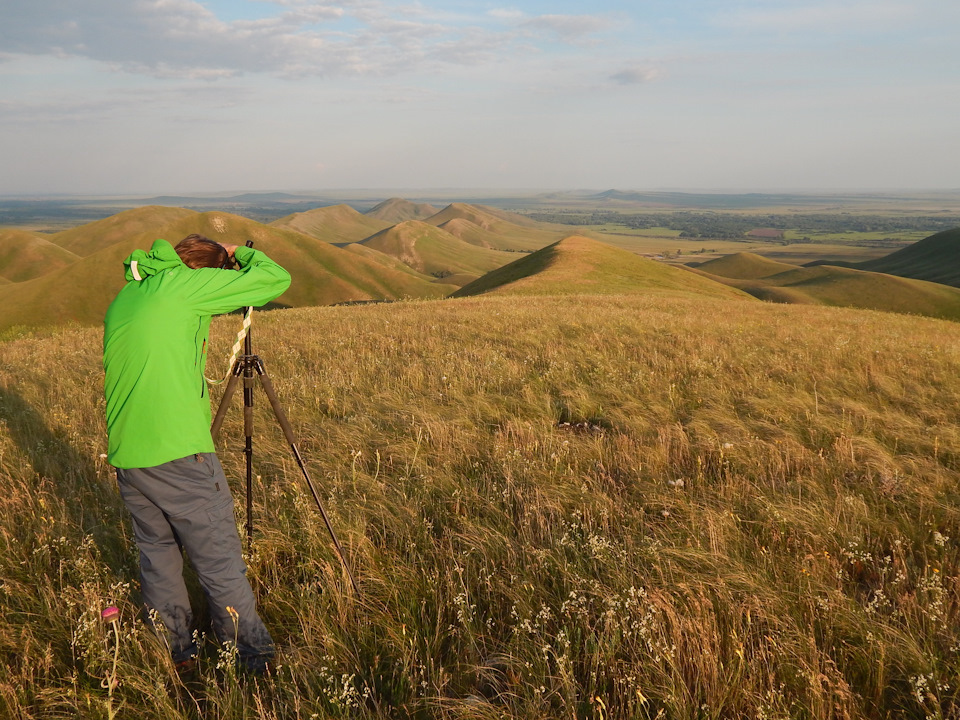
x=337, y=224
x=78, y=293
x=397, y=210
x=395, y=264
x=744, y=266
x=846, y=287
x=26, y=255
x=936, y=258
x=433, y=251
x=135, y=226
x=323, y=274
x=495, y=229
x=580, y=265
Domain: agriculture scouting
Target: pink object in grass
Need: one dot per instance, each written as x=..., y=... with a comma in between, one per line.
x=110, y=614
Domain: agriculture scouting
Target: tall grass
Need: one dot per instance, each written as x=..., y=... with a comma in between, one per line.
x=573, y=507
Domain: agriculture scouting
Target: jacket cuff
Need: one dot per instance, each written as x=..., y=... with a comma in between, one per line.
x=244, y=255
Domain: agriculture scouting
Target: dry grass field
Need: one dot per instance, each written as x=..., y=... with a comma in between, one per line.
x=577, y=507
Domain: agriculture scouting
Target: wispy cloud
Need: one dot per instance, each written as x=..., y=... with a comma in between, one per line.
x=183, y=38
x=635, y=75
x=568, y=26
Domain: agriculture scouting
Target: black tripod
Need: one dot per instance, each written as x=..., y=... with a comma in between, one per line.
x=246, y=365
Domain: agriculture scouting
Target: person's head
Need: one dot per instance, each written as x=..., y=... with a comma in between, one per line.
x=196, y=251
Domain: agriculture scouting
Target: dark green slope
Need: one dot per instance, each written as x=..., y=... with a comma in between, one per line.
x=936, y=258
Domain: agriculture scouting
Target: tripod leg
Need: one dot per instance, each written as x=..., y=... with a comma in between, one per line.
x=288, y=434
x=224, y=403
x=248, y=445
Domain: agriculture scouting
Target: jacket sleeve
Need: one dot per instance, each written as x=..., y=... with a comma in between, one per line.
x=258, y=281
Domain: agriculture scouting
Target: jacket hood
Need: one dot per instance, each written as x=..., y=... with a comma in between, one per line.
x=141, y=264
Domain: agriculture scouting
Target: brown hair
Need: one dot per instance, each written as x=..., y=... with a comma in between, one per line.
x=196, y=251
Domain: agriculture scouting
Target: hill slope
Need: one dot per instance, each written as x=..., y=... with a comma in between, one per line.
x=433, y=251
x=322, y=274
x=397, y=210
x=847, y=287
x=26, y=255
x=136, y=227
x=936, y=258
x=580, y=265
x=337, y=224
x=744, y=266
x=501, y=230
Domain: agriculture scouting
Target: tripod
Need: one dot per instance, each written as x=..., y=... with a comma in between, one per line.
x=246, y=365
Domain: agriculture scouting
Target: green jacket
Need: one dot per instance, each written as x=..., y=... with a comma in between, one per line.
x=154, y=349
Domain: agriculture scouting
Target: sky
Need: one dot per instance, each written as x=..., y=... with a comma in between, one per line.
x=192, y=96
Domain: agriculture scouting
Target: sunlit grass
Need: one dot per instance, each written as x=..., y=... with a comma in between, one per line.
x=556, y=507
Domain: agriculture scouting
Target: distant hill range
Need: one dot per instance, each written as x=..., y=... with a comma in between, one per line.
x=335, y=254
x=338, y=224
x=397, y=210
x=830, y=285
x=401, y=249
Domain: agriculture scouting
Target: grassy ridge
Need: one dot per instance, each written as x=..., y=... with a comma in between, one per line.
x=322, y=273
x=497, y=229
x=744, y=266
x=396, y=210
x=934, y=258
x=333, y=224
x=429, y=249
x=837, y=286
x=578, y=265
x=26, y=255
x=138, y=228
x=627, y=507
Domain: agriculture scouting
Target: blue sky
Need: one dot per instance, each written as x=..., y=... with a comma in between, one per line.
x=156, y=96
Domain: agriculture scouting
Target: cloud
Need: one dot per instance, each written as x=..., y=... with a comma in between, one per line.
x=506, y=14
x=182, y=38
x=635, y=75
x=568, y=26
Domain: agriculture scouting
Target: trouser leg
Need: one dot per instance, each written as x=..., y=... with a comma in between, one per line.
x=161, y=570
x=196, y=501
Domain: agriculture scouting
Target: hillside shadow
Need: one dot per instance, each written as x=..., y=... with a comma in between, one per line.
x=93, y=507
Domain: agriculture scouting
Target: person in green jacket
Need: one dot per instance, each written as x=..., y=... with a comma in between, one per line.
x=158, y=424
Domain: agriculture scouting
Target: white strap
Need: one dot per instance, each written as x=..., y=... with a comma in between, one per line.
x=133, y=269
x=237, y=346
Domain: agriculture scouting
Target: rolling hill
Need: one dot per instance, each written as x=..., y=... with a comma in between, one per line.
x=936, y=258
x=337, y=224
x=323, y=274
x=581, y=265
x=495, y=229
x=744, y=266
x=843, y=287
x=395, y=264
x=135, y=226
x=26, y=255
x=397, y=210
x=433, y=251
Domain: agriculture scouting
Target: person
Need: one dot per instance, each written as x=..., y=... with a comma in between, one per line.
x=158, y=428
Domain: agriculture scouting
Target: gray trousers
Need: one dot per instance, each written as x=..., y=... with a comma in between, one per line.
x=186, y=505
